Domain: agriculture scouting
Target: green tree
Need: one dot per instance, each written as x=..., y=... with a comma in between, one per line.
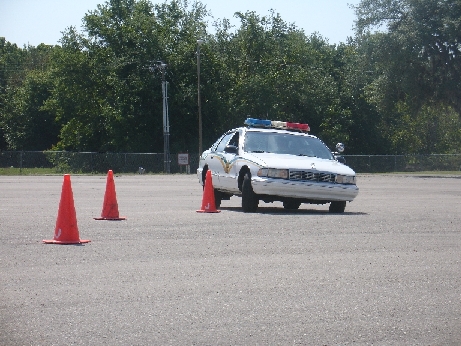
x=106, y=97
x=102, y=88
x=25, y=124
x=181, y=25
x=411, y=47
x=102, y=95
x=417, y=50
x=434, y=129
x=273, y=70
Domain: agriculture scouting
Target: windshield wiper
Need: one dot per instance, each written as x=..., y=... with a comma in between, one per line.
x=307, y=155
x=258, y=151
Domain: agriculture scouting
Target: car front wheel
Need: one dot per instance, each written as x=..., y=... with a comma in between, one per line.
x=217, y=198
x=291, y=204
x=249, y=198
x=337, y=207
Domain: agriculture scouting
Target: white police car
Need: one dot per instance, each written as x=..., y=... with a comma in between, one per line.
x=277, y=161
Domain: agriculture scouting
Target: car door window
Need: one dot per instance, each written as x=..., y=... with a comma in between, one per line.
x=235, y=140
x=225, y=140
x=215, y=145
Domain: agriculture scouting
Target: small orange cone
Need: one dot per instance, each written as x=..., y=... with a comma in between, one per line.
x=110, y=206
x=208, y=201
x=66, y=230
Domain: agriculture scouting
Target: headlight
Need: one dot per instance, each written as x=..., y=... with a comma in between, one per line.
x=345, y=179
x=273, y=173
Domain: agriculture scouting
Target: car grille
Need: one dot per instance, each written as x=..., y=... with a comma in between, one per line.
x=312, y=176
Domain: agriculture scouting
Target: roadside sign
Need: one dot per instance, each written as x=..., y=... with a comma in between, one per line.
x=183, y=159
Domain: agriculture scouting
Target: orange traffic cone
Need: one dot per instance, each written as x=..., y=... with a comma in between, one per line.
x=208, y=201
x=110, y=206
x=66, y=230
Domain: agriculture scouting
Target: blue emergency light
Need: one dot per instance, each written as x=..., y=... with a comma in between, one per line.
x=282, y=125
x=258, y=122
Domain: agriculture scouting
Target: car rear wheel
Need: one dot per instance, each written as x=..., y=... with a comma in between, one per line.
x=205, y=169
x=337, y=207
x=291, y=204
x=249, y=198
x=217, y=198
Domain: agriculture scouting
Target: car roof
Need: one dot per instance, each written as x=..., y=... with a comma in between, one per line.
x=261, y=129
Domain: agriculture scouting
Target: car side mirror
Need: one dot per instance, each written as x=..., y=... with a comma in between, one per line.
x=231, y=149
x=340, y=147
x=340, y=159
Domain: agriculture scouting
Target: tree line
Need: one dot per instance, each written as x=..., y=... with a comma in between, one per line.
x=395, y=87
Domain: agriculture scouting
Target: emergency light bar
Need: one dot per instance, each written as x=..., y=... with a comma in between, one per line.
x=282, y=125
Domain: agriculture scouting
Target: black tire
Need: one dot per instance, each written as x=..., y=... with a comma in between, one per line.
x=250, y=200
x=337, y=207
x=205, y=169
x=291, y=204
x=217, y=198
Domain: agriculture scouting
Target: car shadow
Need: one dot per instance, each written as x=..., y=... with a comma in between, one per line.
x=282, y=211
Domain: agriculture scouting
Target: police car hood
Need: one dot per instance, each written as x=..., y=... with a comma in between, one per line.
x=306, y=163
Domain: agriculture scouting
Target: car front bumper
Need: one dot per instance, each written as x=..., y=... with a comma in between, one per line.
x=304, y=189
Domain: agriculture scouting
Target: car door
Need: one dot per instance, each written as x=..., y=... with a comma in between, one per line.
x=228, y=179
x=217, y=162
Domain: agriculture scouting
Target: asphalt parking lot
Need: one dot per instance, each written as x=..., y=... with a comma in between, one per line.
x=386, y=272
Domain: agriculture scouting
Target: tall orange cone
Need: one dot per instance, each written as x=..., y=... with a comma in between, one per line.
x=208, y=201
x=66, y=230
x=110, y=205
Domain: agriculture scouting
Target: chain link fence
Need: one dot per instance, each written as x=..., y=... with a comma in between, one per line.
x=403, y=163
x=92, y=162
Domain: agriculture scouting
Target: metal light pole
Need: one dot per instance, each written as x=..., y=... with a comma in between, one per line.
x=199, y=42
x=166, y=122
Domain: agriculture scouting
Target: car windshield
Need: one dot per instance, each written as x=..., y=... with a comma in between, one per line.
x=285, y=143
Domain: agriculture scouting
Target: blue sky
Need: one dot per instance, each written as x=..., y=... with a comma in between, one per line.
x=42, y=21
